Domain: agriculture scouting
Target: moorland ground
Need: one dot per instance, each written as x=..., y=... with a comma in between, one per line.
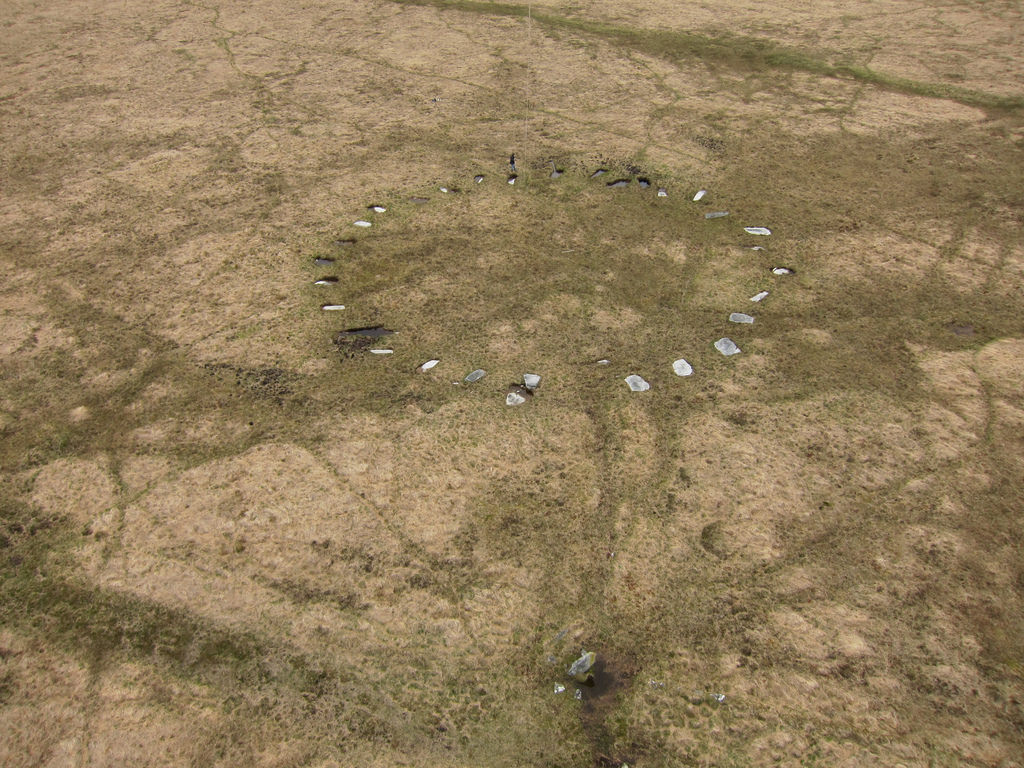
x=227, y=540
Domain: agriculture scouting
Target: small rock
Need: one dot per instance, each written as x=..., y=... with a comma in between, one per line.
x=531, y=380
x=662, y=192
x=700, y=195
x=476, y=375
x=759, y=296
x=427, y=365
x=716, y=214
x=362, y=223
x=637, y=383
x=757, y=230
x=331, y=307
x=782, y=271
x=559, y=688
x=740, y=317
x=682, y=368
x=727, y=347
x=581, y=667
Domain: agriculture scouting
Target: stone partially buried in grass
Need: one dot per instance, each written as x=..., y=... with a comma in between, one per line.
x=727, y=347
x=580, y=669
x=682, y=368
x=740, y=317
x=362, y=223
x=332, y=307
x=782, y=271
x=323, y=261
x=619, y=184
x=637, y=383
x=716, y=214
x=757, y=230
x=760, y=296
x=329, y=280
x=531, y=380
x=427, y=366
x=517, y=395
x=476, y=375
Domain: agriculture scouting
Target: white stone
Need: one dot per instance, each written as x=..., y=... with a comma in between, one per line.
x=700, y=195
x=759, y=296
x=757, y=230
x=682, y=368
x=727, y=347
x=637, y=383
x=740, y=317
x=362, y=223
x=428, y=365
x=531, y=380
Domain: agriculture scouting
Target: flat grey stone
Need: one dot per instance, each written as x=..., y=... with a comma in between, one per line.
x=637, y=383
x=476, y=375
x=727, y=347
x=682, y=368
x=740, y=317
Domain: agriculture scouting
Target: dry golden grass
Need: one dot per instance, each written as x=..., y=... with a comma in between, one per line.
x=225, y=540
